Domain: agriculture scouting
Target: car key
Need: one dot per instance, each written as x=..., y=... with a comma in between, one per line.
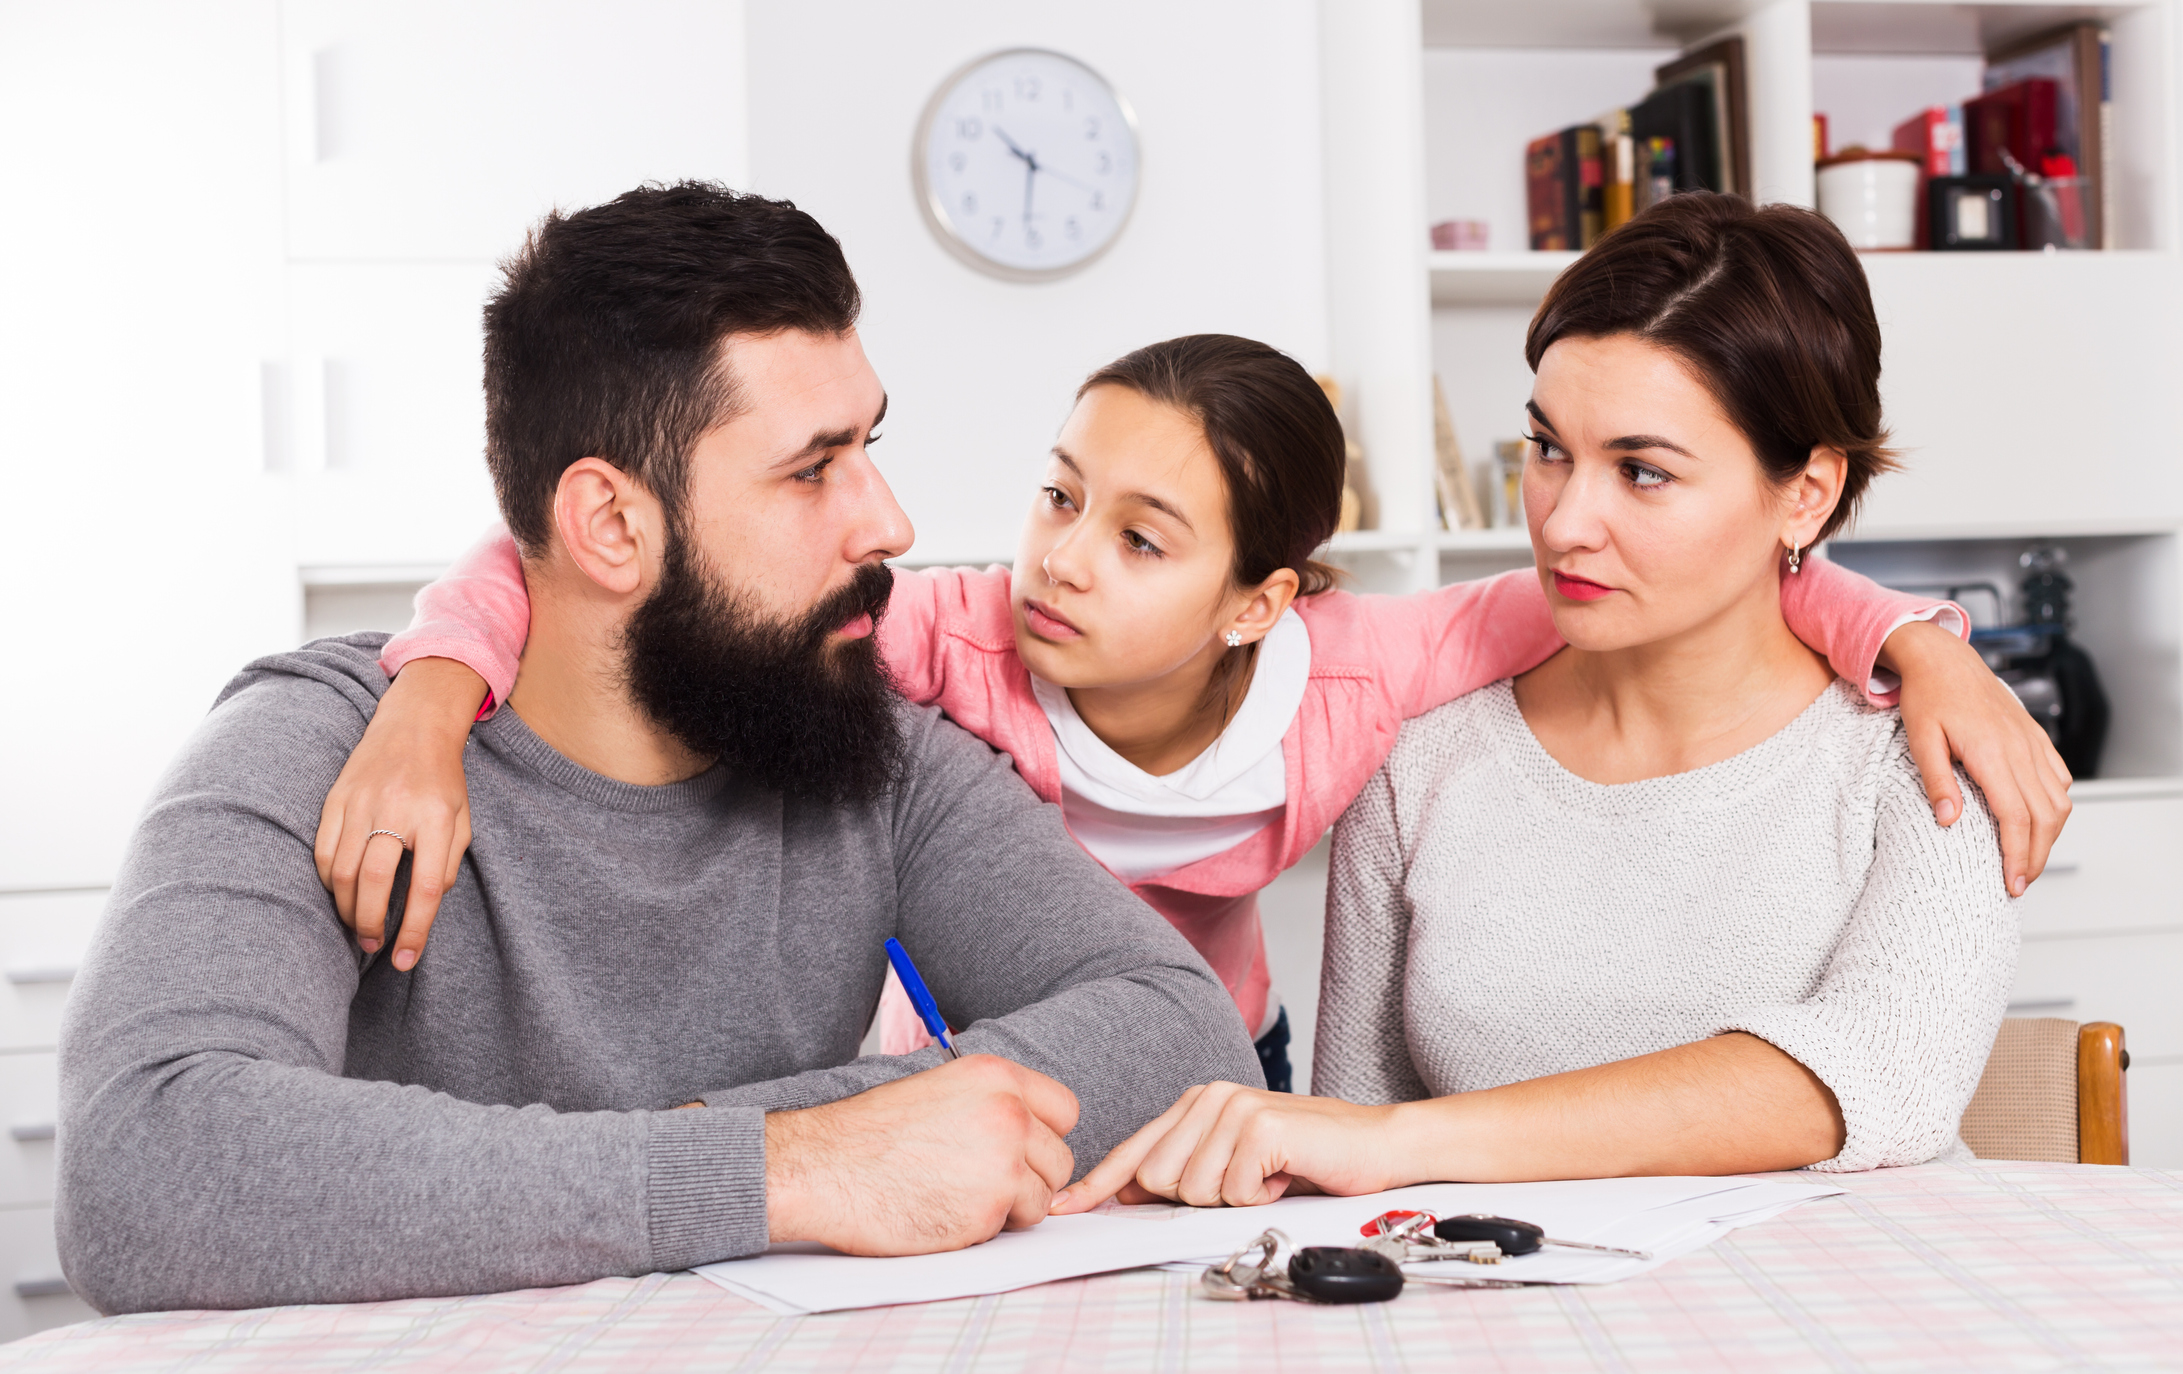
x=1316, y=1274
x=1515, y=1237
x=1336, y=1273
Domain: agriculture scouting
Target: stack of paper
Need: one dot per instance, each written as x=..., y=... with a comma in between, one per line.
x=1667, y=1217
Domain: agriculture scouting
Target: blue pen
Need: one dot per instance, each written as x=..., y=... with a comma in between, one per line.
x=928, y=1010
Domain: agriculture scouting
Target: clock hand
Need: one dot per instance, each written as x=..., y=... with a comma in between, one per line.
x=1002, y=135
x=1063, y=176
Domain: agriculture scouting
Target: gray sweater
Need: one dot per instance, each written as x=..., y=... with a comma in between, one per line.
x=253, y=1113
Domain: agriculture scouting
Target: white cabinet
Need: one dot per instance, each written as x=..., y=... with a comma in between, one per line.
x=387, y=412
x=2103, y=941
x=33, y=1296
x=420, y=142
x=420, y=131
x=43, y=937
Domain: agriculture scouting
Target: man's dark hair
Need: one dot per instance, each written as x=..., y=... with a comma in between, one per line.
x=604, y=339
x=1766, y=304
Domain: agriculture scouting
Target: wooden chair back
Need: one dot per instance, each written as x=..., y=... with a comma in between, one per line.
x=2052, y=1090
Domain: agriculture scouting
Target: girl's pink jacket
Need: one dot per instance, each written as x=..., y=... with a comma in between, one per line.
x=1376, y=661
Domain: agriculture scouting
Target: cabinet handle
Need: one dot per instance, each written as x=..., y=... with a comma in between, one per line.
x=43, y=1288
x=49, y=973
x=35, y=1130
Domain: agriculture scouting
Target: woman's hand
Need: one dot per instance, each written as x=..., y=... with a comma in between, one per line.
x=405, y=776
x=1221, y=1144
x=1955, y=708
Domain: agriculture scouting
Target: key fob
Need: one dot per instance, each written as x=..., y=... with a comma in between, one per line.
x=1514, y=1237
x=1335, y=1273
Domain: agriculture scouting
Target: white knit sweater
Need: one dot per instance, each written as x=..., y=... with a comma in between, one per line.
x=1492, y=918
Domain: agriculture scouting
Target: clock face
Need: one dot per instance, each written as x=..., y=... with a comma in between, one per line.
x=1026, y=164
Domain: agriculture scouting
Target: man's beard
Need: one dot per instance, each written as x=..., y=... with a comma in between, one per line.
x=773, y=700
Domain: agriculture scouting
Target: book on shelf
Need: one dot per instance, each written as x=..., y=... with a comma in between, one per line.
x=1563, y=189
x=1690, y=134
x=1935, y=134
x=1460, y=508
x=1617, y=169
x=2076, y=59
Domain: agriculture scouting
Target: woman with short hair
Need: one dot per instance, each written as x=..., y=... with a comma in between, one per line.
x=1672, y=901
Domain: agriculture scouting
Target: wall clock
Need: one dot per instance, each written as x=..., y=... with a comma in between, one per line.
x=1026, y=164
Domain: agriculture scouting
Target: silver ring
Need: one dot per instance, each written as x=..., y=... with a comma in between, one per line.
x=399, y=838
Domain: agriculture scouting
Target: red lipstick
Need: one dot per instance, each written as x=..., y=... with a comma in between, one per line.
x=1579, y=588
x=1048, y=623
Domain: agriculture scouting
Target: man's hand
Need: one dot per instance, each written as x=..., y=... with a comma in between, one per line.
x=1221, y=1144
x=405, y=776
x=935, y=1161
x=1955, y=708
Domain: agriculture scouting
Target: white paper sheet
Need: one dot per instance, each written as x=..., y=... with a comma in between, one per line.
x=1666, y=1216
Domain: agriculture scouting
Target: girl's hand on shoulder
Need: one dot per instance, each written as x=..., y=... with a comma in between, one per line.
x=1226, y=1145
x=1955, y=708
x=406, y=777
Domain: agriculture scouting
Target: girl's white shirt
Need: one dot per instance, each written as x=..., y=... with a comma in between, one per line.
x=1142, y=826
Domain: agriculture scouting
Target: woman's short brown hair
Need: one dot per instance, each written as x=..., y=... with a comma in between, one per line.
x=1767, y=305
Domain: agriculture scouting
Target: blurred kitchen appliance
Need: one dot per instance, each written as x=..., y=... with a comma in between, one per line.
x=2050, y=672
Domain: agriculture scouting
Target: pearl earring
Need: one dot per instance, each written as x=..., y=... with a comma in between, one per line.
x=1234, y=639
x=1796, y=560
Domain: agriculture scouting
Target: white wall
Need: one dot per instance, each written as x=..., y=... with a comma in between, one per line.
x=244, y=247
x=144, y=558
x=980, y=373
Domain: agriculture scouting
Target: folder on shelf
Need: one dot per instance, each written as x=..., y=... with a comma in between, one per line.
x=1716, y=70
x=1683, y=115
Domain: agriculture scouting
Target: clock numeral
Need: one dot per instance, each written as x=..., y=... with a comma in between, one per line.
x=1070, y=227
x=1031, y=237
x=970, y=126
x=1068, y=99
x=1026, y=88
x=956, y=162
x=1105, y=163
x=1091, y=126
x=989, y=101
x=970, y=203
x=1099, y=200
x=997, y=222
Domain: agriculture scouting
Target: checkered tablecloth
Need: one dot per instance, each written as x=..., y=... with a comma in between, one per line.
x=1986, y=1267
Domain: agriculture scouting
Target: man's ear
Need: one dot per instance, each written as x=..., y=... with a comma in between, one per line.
x=610, y=525
x=1813, y=495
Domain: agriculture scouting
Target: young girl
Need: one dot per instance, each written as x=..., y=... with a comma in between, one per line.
x=1168, y=663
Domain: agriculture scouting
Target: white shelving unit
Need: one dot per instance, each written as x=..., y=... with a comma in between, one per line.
x=2033, y=394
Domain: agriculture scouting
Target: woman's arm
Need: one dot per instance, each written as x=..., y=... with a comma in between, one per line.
x=1729, y=1105
x=1359, y=1051
x=1872, y=1070
x=1903, y=1017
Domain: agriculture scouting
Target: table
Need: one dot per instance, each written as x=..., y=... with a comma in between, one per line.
x=1985, y=1266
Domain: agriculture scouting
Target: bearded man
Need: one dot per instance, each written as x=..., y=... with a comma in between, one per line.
x=697, y=818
